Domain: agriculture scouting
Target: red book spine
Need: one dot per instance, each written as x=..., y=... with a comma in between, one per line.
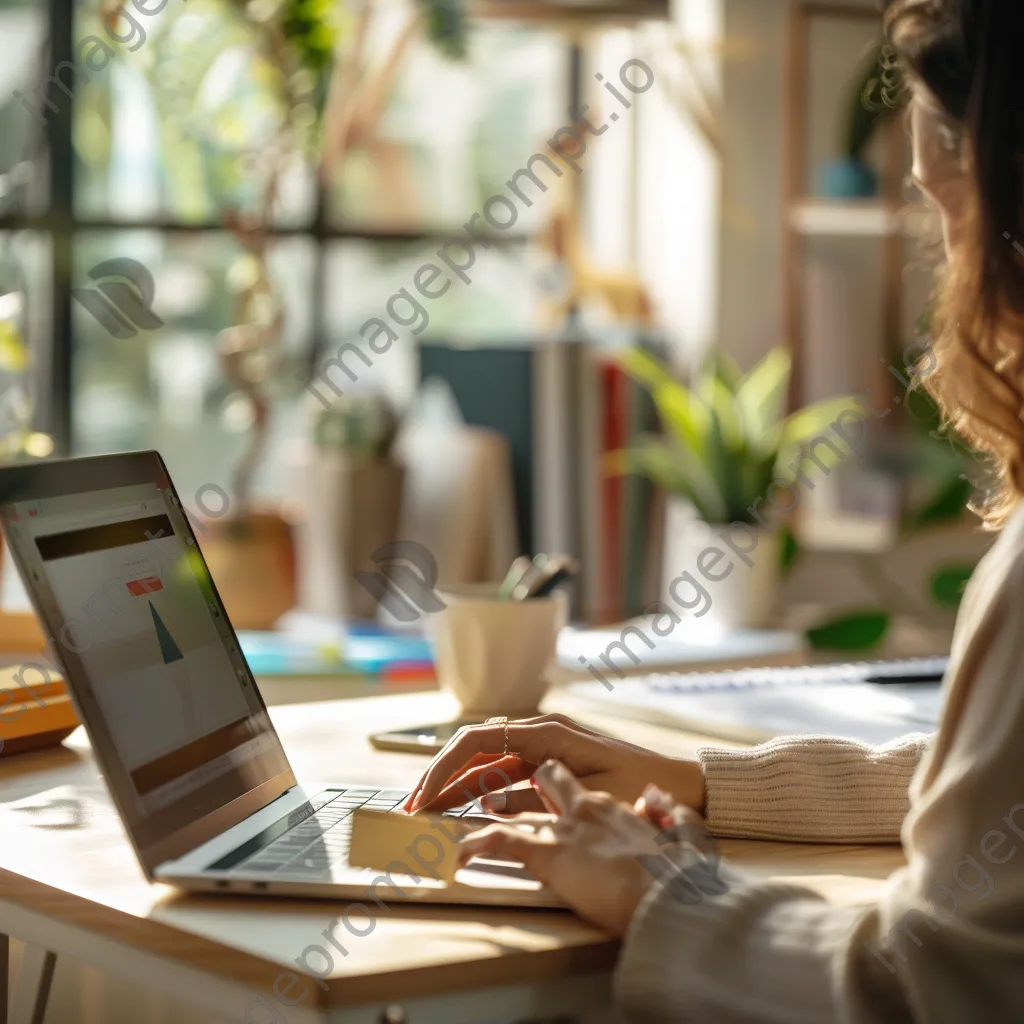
x=615, y=385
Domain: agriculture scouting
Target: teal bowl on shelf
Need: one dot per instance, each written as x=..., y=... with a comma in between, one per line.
x=847, y=178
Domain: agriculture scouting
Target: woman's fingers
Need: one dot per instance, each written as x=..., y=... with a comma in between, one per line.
x=558, y=787
x=490, y=777
x=535, y=819
x=533, y=743
x=514, y=801
x=478, y=759
x=569, y=729
x=588, y=855
x=504, y=842
x=656, y=806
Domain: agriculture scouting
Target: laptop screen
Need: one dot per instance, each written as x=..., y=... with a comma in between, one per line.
x=134, y=619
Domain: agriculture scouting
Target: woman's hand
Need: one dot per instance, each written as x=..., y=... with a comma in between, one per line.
x=475, y=763
x=597, y=854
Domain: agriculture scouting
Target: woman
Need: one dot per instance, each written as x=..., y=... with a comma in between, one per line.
x=946, y=942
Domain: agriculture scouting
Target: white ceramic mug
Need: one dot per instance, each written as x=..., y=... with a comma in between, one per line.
x=492, y=653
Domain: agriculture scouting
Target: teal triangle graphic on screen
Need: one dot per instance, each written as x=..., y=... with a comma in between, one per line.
x=168, y=648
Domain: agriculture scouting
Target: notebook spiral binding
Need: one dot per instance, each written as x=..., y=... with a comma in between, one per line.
x=896, y=670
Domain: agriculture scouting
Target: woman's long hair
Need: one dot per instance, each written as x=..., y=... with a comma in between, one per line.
x=969, y=55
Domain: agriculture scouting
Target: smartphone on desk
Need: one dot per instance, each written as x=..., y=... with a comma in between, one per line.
x=419, y=739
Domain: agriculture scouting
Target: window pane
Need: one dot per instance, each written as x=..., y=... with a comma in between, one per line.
x=189, y=124
x=496, y=306
x=165, y=387
x=22, y=56
x=452, y=133
x=25, y=302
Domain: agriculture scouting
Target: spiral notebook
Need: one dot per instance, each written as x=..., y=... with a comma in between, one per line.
x=871, y=701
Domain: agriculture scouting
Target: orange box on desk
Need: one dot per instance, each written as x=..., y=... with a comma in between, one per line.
x=33, y=714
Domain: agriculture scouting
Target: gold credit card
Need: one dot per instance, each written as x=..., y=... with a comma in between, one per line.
x=423, y=845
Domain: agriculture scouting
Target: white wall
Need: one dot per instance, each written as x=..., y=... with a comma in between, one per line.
x=750, y=313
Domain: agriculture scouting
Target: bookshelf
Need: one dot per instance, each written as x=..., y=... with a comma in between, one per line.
x=868, y=218
x=813, y=225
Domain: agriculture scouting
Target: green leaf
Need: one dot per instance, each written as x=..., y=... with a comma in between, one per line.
x=718, y=464
x=446, y=26
x=855, y=632
x=683, y=414
x=761, y=396
x=673, y=468
x=788, y=550
x=947, y=586
x=948, y=503
x=726, y=369
x=680, y=410
x=721, y=403
x=813, y=419
x=811, y=423
x=643, y=367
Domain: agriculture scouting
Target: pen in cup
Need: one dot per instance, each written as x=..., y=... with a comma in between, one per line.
x=537, y=577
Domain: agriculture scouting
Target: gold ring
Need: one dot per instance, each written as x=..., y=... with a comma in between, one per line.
x=502, y=720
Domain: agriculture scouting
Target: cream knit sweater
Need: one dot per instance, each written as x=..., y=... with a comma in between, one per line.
x=945, y=945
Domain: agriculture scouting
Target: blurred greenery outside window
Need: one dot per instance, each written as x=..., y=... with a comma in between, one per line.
x=175, y=136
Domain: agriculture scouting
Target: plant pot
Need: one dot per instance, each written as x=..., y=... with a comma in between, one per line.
x=352, y=509
x=718, y=576
x=847, y=178
x=252, y=562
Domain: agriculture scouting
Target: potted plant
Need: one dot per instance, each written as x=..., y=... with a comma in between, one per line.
x=875, y=96
x=353, y=496
x=726, y=440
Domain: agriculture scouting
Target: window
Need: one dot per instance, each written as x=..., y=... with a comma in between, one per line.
x=144, y=158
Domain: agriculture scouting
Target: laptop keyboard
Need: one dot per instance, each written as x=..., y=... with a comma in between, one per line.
x=320, y=842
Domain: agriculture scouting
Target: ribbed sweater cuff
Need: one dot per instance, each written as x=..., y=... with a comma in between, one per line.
x=811, y=789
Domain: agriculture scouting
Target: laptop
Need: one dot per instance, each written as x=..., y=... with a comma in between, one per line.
x=192, y=761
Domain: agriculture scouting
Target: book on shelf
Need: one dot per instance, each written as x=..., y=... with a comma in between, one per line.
x=564, y=405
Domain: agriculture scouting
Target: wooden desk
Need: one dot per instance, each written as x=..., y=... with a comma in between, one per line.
x=70, y=888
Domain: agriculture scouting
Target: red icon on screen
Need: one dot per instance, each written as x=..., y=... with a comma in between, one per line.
x=146, y=585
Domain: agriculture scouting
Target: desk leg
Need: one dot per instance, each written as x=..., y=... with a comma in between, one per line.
x=32, y=989
x=5, y=970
